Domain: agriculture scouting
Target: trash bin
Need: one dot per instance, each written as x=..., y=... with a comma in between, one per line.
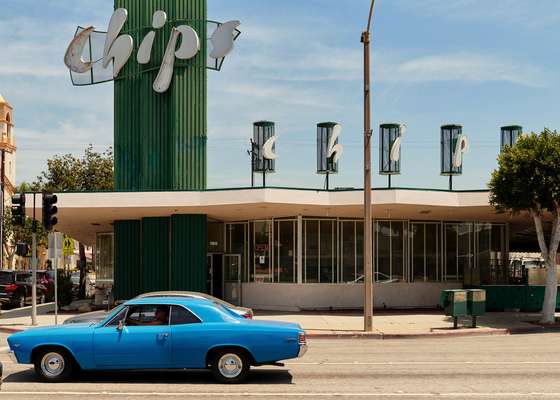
x=455, y=304
x=476, y=303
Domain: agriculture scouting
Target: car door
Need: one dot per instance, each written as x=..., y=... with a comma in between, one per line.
x=143, y=342
x=189, y=339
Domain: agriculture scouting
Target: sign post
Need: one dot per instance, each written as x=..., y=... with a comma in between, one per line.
x=55, y=250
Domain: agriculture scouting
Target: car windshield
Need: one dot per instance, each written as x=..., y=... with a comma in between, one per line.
x=111, y=314
x=24, y=278
x=6, y=277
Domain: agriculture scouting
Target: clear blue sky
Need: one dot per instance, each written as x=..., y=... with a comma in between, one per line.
x=478, y=63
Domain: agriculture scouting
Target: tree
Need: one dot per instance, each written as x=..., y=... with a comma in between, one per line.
x=528, y=180
x=14, y=234
x=68, y=173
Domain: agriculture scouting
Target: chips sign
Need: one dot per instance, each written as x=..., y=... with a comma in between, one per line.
x=119, y=47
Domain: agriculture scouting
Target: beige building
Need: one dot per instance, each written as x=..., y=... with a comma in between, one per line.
x=7, y=153
x=8, y=148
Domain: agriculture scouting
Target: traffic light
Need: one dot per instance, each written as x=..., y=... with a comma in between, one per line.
x=49, y=211
x=18, y=209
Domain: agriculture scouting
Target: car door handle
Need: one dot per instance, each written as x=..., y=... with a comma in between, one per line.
x=163, y=336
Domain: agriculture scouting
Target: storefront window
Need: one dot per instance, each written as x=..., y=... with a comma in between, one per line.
x=382, y=248
x=285, y=251
x=432, y=251
x=262, y=265
x=236, y=243
x=389, y=247
x=351, y=251
x=216, y=237
x=311, y=253
x=104, y=257
x=459, y=250
x=425, y=251
x=327, y=249
x=491, y=268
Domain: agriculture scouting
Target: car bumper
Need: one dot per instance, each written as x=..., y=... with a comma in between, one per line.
x=302, y=350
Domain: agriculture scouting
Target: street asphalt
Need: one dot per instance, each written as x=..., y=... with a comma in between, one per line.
x=478, y=367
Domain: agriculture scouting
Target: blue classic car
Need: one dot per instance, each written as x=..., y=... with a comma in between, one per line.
x=160, y=333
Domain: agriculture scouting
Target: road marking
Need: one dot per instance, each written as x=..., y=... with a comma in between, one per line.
x=287, y=394
x=428, y=363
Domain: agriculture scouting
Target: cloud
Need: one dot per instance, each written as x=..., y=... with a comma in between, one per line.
x=463, y=66
x=523, y=13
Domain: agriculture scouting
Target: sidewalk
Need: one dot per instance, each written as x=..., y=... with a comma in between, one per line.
x=338, y=324
x=19, y=319
x=408, y=324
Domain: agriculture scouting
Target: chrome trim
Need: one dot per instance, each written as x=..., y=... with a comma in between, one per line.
x=302, y=350
x=52, y=364
x=230, y=365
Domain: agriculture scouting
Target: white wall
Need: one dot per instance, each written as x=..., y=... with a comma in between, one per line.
x=293, y=297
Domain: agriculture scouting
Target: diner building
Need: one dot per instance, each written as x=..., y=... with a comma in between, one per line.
x=298, y=249
x=269, y=247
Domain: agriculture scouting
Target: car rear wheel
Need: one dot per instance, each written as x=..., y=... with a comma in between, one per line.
x=230, y=366
x=53, y=365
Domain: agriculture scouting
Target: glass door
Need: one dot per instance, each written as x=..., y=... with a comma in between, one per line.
x=232, y=278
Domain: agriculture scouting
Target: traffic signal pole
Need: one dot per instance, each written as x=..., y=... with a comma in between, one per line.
x=34, y=268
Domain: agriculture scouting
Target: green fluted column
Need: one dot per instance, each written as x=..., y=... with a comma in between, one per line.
x=160, y=139
x=160, y=144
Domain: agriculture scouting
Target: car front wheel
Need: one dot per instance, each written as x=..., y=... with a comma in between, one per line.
x=53, y=365
x=230, y=366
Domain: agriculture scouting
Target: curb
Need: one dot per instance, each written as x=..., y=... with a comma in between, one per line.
x=430, y=335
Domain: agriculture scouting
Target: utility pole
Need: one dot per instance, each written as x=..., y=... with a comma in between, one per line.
x=368, y=243
x=34, y=267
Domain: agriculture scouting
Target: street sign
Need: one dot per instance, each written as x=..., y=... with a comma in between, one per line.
x=55, y=244
x=67, y=246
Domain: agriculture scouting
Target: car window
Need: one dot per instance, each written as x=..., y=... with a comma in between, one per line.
x=24, y=278
x=147, y=314
x=182, y=316
x=6, y=277
x=119, y=317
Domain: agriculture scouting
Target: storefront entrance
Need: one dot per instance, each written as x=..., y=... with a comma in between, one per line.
x=224, y=277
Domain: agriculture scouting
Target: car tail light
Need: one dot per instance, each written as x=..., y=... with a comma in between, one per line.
x=10, y=288
x=301, y=339
x=247, y=316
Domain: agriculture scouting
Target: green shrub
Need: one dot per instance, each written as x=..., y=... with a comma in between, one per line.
x=64, y=289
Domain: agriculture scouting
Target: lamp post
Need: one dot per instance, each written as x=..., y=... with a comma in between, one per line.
x=368, y=259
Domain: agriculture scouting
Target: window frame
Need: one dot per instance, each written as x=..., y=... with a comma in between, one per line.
x=186, y=309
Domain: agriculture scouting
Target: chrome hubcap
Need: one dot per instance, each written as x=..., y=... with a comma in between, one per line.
x=52, y=364
x=230, y=365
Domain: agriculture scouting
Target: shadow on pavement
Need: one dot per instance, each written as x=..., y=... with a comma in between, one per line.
x=257, y=376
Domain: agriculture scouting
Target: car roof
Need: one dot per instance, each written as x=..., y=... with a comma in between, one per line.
x=170, y=300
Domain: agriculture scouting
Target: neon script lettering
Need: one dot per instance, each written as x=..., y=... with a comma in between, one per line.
x=118, y=48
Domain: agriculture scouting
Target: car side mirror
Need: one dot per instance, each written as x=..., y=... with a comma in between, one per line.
x=120, y=326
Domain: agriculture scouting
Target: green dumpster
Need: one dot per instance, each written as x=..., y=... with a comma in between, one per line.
x=455, y=304
x=476, y=303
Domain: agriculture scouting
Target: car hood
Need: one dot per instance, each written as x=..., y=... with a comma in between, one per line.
x=94, y=316
x=50, y=330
